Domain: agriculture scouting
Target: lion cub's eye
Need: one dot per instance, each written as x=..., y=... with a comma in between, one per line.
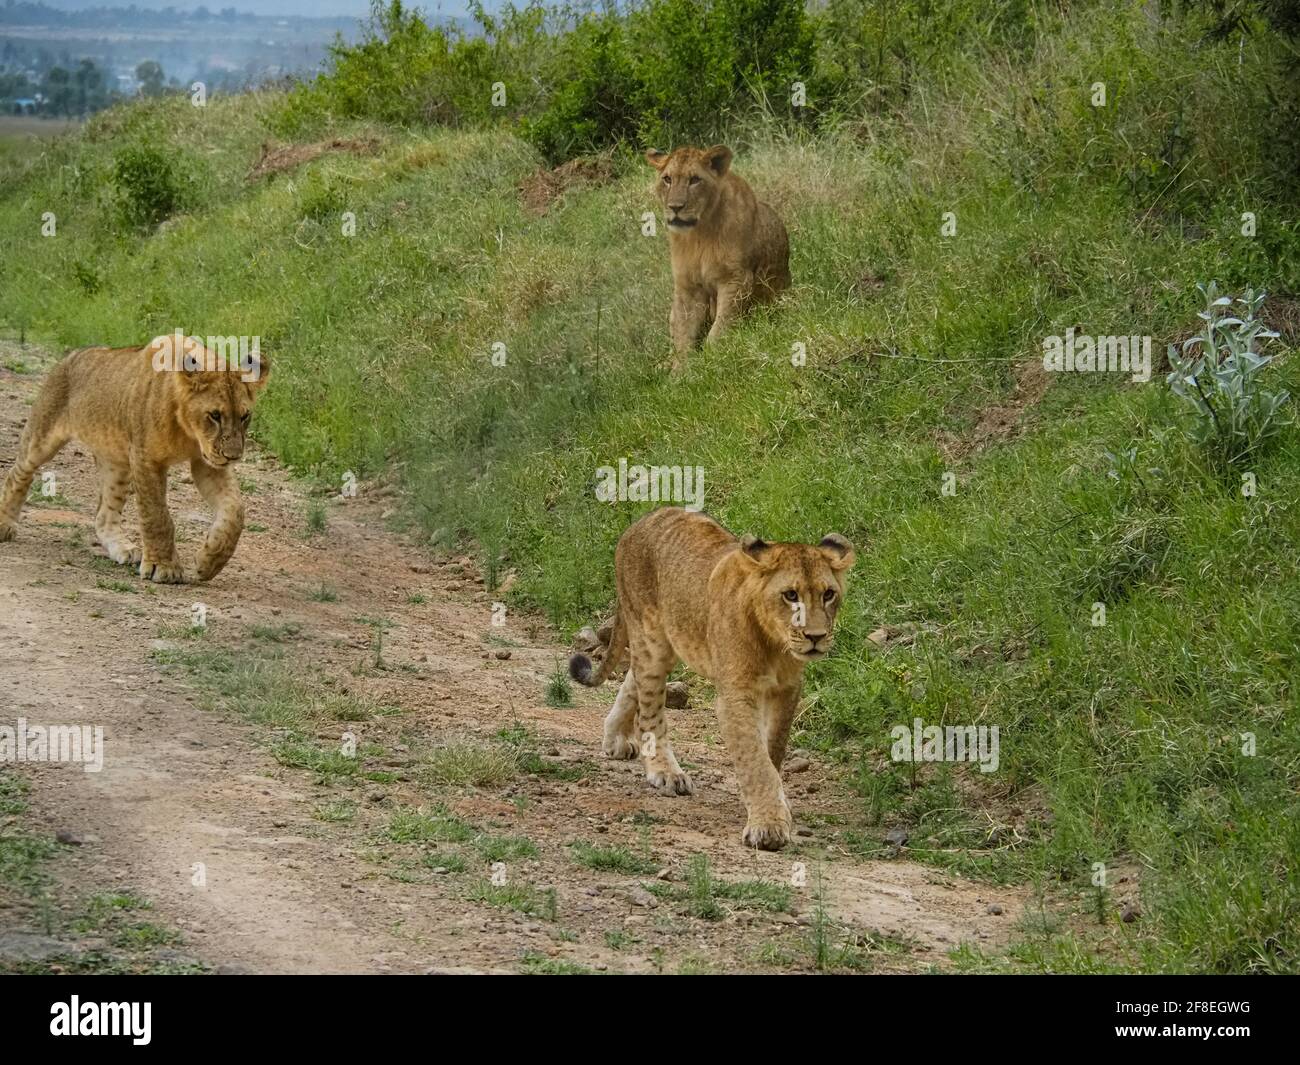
x=244, y=419
x=791, y=596
x=828, y=595
x=215, y=415
x=667, y=180
x=694, y=181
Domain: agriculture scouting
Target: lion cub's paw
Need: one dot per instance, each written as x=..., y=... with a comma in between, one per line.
x=124, y=554
x=767, y=836
x=670, y=781
x=621, y=745
x=162, y=572
x=208, y=566
x=8, y=530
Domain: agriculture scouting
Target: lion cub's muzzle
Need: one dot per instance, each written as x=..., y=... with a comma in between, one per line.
x=811, y=646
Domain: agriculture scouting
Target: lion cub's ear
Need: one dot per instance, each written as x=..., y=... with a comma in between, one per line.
x=838, y=551
x=656, y=158
x=257, y=370
x=754, y=549
x=719, y=158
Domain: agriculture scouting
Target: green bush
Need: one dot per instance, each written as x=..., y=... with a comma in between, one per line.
x=406, y=72
x=596, y=106
x=150, y=183
x=699, y=62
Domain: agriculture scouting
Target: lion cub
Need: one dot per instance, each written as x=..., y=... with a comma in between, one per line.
x=141, y=411
x=744, y=614
x=729, y=251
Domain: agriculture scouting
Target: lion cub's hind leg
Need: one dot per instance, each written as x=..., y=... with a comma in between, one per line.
x=651, y=662
x=114, y=487
x=621, y=737
x=220, y=490
x=38, y=444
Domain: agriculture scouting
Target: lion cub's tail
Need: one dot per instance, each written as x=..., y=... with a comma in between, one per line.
x=581, y=668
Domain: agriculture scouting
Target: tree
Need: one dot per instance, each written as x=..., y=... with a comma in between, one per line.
x=150, y=76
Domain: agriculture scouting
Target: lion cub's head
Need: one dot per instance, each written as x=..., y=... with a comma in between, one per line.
x=798, y=589
x=214, y=393
x=690, y=183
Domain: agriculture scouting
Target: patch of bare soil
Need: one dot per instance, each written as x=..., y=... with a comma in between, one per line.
x=1000, y=421
x=190, y=785
x=543, y=188
x=277, y=158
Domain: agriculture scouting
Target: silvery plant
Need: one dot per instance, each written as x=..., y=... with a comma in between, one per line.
x=1217, y=375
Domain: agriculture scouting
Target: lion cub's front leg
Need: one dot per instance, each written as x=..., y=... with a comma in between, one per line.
x=770, y=824
x=732, y=299
x=158, y=561
x=220, y=490
x=690, y=316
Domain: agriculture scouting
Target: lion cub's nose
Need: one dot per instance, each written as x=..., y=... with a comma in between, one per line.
x=814, y=636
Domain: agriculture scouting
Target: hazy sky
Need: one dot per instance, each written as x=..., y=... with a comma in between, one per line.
x=359, y=8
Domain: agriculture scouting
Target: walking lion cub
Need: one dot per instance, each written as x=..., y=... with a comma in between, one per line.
x=729, y=250
x=746, y=615
x=141, y=411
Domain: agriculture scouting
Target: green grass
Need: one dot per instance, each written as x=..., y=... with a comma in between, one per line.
x=452, y=863
x=316, y=519
x=703, y=894
x=13, y=794
x=524, y=898
x=431, y=825
x=522, y=743
x=473, y=764
x=505, y=848
x=1119, y=743
x=539, y=965
x=558, y=692
x=335, y=811
x=612, y=859
x=281, y=633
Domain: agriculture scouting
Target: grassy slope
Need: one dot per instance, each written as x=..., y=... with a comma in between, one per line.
x=1127, y=733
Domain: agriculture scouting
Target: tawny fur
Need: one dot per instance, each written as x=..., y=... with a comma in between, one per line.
x=729, y=250
x=139, y=421
x=690, y=591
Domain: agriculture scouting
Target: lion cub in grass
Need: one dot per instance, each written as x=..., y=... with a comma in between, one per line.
x=729, y=251
x=141, y=411
x=744, y=614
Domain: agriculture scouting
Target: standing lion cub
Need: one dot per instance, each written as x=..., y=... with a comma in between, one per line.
x=141, y=411
x=744, y=614
x=729, y=251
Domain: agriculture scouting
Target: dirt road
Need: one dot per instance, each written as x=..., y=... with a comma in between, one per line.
x=267, y=860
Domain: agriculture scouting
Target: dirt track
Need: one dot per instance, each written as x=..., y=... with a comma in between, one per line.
x=184, y=783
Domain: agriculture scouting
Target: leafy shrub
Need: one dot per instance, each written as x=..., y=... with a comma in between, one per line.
x=1219, y=381
x=698, y=61
x=150, y=184
x=596, y=105
x=406, y=72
